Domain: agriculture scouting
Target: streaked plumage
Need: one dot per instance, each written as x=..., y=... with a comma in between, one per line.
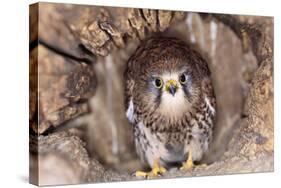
x=170, y=102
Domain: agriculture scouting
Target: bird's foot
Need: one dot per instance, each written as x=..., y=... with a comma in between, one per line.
x=155, y=172
x=189, y=165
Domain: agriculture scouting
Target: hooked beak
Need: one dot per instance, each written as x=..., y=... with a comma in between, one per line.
x=172, y=90
x=172, y=87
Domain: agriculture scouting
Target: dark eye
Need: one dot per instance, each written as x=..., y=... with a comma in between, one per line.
x=182, y=79
x=158, y=83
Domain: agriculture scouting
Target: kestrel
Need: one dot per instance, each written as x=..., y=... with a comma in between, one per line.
x=170, y=102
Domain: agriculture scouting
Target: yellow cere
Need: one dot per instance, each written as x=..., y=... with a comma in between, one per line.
x=171, y=82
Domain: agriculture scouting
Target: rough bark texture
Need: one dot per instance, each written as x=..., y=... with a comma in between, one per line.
x=63, y=159
x=239, y=50
x=61, y=78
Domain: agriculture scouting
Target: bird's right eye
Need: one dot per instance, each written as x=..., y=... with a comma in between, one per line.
x=158, y=83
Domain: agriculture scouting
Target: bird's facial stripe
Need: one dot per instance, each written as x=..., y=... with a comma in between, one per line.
x=171, y=83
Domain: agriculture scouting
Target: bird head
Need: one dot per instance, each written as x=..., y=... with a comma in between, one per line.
x=172, y=91
x=168, y=76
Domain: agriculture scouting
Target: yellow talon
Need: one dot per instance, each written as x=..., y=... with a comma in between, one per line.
x=188, y=165
x=155, y=171
x=141, y=174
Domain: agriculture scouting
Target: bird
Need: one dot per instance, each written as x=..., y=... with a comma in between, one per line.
x=171, y=104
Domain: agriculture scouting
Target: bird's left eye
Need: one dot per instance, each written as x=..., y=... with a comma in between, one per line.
x=182, y=79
